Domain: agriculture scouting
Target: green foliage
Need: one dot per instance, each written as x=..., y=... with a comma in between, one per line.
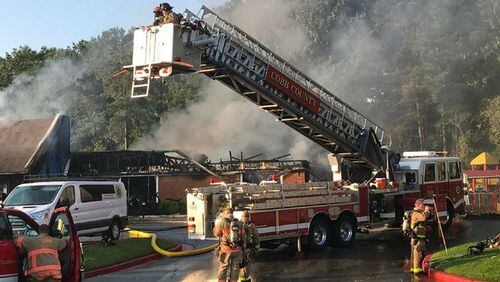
x=384, y=57
x=104, y=117
x=124, y=250
x=482, y=266
x=169, y=207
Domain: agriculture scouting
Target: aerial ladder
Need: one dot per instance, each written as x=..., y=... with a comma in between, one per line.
x=205, y=43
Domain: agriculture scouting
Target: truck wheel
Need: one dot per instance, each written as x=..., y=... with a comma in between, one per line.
x=451, y=215
x=344, y=231
x=114, y=230
x=319, y=234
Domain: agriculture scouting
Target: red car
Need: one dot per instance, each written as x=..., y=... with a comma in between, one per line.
x=14, y=223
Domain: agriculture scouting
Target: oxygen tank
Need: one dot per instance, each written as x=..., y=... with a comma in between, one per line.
x=406, y=223
x=233, y=236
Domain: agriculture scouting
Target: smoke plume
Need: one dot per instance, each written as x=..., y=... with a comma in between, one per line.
x=223, y=120
x=370, y=52
x=48, y=92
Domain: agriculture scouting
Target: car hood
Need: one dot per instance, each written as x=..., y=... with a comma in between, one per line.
x=29, y=210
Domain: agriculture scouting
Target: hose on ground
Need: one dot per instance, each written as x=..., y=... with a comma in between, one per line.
x=139, y=234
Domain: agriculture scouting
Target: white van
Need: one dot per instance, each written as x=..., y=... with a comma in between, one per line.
x=97, y=207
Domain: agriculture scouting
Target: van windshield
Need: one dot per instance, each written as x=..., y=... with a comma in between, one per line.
x=32, y=195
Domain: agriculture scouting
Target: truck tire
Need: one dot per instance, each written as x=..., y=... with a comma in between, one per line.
x=319, y=234
x=114, y=230
x=451, y=215
x=344, y=231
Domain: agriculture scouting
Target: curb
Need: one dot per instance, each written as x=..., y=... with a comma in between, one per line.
x=438, y=275
x=128, y=264
x=153, y=229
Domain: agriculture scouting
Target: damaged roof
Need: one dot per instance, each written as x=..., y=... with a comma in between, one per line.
x=22, y=141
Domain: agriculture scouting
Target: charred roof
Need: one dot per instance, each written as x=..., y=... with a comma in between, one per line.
x=29, y=146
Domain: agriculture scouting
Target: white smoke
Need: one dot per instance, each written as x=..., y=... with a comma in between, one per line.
x=223, y=120
x=46, y=93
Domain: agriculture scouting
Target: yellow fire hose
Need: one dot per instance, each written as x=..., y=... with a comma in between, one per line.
x=140, y=234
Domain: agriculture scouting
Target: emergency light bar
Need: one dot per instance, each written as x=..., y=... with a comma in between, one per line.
x=417, y=154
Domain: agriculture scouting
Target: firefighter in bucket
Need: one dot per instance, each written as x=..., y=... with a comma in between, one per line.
x=232, y=245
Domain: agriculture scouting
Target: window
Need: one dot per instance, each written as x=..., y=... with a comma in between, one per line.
x=93, y=193
x=32, y=195
x=441, y=171
x=454, y=170
x=410, y=177
x=430, y=173
x=20, y=227
x=4, y=229
x=67, y=197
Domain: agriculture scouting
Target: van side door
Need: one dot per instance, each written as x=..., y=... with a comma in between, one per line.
x=93, y=213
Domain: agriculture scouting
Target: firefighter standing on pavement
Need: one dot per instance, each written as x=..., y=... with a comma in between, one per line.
x=418, y=222
x=253, y=244
x=42, y=255
x=232, y=245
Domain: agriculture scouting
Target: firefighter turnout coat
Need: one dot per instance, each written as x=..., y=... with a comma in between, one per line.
x=42, y=256
x=228, y=244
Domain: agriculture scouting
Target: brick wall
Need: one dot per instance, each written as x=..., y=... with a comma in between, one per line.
x=173, y=187
x=295, y=177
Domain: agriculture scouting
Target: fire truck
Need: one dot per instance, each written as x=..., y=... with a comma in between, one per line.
x=371, y=186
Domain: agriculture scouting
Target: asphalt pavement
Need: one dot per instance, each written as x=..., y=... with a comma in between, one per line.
x=381, y=255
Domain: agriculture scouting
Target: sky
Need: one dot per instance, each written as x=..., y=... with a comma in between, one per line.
x=59, y=23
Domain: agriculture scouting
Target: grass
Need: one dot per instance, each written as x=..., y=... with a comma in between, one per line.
x=99, y=256
x=483, y=266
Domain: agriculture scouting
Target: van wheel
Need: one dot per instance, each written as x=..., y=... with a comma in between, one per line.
x=114, y=230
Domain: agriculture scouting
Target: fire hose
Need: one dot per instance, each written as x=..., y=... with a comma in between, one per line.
x=140, y=234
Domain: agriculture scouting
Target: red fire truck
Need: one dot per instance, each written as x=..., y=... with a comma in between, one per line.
x=371, y=184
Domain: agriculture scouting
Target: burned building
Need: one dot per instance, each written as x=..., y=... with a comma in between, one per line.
x=39, y=149
x=33, y=147
x=161, y=175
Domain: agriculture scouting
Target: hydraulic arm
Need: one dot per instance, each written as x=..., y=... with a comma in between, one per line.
x=210, y=45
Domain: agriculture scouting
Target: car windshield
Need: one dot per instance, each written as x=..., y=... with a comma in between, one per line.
x=32, y=195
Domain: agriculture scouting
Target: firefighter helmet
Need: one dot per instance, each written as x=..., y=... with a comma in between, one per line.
x=165, y=7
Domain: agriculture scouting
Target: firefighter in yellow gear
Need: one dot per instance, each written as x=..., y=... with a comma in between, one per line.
x=253, y=245
x=168, y=15
x=232, y=245
x=164, y=14
x=42, y=255
x=418, y=222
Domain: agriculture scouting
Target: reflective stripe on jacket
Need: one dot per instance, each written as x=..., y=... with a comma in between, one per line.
x=418, y=221
x=170, y=18
x=42, y=255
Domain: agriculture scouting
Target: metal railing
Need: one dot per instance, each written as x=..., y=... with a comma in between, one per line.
x=329, y=101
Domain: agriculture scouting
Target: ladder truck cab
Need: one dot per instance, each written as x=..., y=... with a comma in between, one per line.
x=426, y=174
x=371, y=184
